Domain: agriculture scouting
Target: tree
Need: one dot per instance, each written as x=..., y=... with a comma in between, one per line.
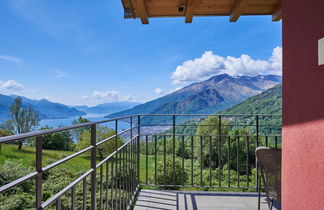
x=23, y=119
x=102, y=133
x=169, y=176
x=209, y=128
x=58, y=140
x=78, y=131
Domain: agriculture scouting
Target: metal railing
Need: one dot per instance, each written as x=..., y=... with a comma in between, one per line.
x=217, y=153
x=176, y=151
x=121, y=169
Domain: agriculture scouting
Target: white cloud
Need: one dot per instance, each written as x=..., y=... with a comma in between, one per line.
x=59, y=74
x=10, y=59
x=158, y=91
x=11, y=85
x=109, y=96
x=210, y=64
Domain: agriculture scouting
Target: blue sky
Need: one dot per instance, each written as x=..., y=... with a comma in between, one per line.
x=85, y=52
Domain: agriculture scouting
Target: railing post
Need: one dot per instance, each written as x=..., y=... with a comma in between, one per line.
x=138, y=147
x=93, y=166
x=39, y=179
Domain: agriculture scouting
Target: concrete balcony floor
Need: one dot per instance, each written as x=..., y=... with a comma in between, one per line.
x=202, y=200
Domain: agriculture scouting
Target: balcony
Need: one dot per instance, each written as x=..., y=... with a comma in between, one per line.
x=165, y=162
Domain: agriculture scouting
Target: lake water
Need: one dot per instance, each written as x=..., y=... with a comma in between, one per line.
x=54, y=123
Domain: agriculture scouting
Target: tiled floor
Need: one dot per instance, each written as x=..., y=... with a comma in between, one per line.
x=178, y=200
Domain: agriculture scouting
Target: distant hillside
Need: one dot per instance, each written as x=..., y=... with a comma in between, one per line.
x=268, y=102
x=45, y=108
x=107, y=108
x=215, y=94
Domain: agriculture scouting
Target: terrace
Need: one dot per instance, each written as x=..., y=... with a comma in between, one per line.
x=303, y=125
x=164, y=163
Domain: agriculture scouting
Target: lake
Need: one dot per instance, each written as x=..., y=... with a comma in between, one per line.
x=54, y=123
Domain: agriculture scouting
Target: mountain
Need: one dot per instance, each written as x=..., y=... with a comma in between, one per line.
x=209, y=96
x=107, y=108
x=45, y=108
x=268, y=102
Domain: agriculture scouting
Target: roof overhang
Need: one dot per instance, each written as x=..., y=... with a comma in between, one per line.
x=145, y=9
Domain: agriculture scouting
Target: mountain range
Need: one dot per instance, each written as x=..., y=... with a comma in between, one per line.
x=217, y=93
x=50, y=110
x=45, y=108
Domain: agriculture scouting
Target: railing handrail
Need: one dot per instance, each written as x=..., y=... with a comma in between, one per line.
x=16, y=137
x=188, y=115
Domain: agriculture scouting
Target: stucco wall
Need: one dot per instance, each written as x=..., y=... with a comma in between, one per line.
x=303, y=106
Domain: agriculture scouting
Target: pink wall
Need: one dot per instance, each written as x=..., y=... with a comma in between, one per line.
x=303, y=106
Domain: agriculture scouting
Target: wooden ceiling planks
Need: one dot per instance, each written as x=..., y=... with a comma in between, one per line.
x=145, y=9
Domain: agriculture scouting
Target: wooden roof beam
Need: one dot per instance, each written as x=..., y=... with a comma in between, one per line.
x=189, y=10
x=142, y=11
x=238, y=9
x=277, y=14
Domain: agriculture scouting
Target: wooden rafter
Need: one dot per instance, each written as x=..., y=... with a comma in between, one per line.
x=189, y=10
x=238, y=9
x=277, y=14
x=142, y=11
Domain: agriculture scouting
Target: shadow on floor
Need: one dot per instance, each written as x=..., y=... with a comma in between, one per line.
x=178, y=200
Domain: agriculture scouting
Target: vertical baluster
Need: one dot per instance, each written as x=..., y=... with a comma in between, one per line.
x=39, y=179
x=210, y=161
x=155, y=161
x=73, y=204
x=112, y=185
x=107, y=185
x=247, y=160
x=138, y=150
x=276, y=141
x=58, y=203
x=219, y=150
x=101, y=177
x=192, y=154
x=127, y=174
x=229, y=161
x=132, y=168
x=93, y=166
x=238, y=161
x=123, y=178
x=120, y=179
x=146, y=159
x=183, y=151
x=173, y=148
x=201, y=161
x=257, y=145
x=84, y=193
x=164, y=159
x=267, y=141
